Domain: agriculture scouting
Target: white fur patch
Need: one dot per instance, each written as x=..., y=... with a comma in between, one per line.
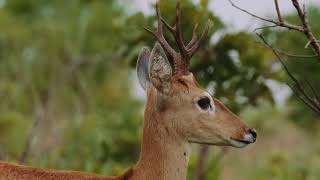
x=213, y=110
x=187, y=151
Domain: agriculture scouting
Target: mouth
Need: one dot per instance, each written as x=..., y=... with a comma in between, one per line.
x=205, y=143
x=239, y=143
x=220, y=142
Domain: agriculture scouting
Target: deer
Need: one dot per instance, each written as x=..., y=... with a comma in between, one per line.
x=178, y=112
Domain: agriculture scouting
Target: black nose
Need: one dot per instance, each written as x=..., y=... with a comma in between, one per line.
x=253, y=132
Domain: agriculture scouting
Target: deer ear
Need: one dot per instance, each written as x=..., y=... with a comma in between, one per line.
x=142, y=67
x=160, y=70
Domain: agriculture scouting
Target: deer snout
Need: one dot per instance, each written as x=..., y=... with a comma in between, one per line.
x=253, y=132
x=251, y=136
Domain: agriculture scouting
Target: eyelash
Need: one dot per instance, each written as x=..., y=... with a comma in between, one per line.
x=204, y=103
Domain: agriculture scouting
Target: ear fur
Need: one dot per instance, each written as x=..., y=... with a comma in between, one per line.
x=160, y=71
x=142, y=67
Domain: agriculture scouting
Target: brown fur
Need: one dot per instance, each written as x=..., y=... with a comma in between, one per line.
x=19, y=172
x=171, y=122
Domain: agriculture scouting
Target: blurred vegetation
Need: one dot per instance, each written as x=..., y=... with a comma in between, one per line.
x=66, y=73
x=62, y=65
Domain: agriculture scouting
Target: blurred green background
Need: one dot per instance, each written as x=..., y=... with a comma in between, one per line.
x=68, y=91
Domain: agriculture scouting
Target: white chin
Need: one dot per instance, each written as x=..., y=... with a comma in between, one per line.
x=237, y=144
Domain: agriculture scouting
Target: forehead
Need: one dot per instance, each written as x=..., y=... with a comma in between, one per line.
x=186, y=84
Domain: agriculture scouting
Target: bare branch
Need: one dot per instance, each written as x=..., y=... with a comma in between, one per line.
x=306, y=102
x=297, y=87
x=313, y=103
x=278, y=11
x=307, y=30
x=278, y=23
x=251, y=14
x=315, y=93
x=264, y=27
x=282, y=52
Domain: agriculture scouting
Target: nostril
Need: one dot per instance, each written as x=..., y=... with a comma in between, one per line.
x=253, y=132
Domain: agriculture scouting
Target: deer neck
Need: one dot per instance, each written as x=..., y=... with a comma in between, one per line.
x=164, y=154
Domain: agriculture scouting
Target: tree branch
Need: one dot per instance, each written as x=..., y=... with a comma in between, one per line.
x=297, y=88
x=277, y=23
x=265, y=43
x=278, y=11
x=307, y=30
x=40, y=107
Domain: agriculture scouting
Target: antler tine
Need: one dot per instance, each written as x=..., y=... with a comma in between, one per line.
x=195, y=46
x=158, y=33
x=194, y=37
x=179, y=37
x=177, y=32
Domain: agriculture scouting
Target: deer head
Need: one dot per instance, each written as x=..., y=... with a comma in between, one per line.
x=186, y=108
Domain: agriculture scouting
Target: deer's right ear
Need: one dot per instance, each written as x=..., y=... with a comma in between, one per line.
x=160, y=70
x=142, y=67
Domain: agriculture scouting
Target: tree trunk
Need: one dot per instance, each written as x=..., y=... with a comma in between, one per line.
x=202, y=156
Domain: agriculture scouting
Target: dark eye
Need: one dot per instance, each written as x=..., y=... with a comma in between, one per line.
x=204, y=103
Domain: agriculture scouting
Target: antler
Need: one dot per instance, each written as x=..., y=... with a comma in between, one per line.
x=182, y=58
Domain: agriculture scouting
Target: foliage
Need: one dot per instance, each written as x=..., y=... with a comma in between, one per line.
x=57, y=64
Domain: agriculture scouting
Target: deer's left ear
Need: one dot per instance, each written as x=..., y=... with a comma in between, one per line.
x=142, y=67
x=160, y=70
